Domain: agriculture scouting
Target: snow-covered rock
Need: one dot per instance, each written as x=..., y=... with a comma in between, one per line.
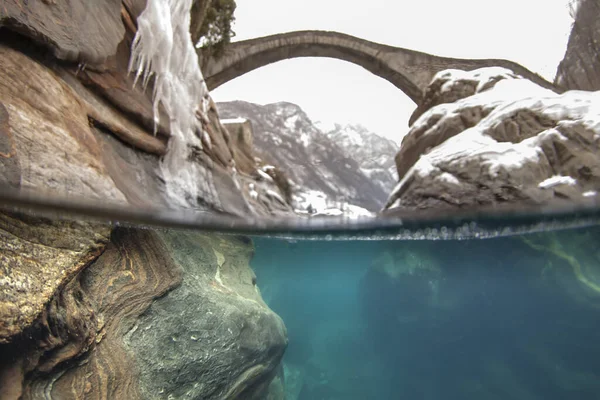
x=507, y=141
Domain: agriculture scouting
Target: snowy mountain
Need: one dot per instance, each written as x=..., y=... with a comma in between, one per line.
x=346, y=165
x=374, y=154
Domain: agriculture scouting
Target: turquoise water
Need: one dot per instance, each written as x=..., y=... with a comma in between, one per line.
x=511, y=316
x=506, y=318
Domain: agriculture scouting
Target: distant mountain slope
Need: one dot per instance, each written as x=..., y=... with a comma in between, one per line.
x=374, y=154
x=285, y=136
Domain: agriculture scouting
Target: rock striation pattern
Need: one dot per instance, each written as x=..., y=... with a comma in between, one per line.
x=491, y=138
x=157, y=315
x=37, y=257
x=88, y=32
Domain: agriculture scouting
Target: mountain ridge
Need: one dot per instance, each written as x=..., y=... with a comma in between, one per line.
x=336, y=163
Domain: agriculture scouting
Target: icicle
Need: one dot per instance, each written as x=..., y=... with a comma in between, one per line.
x=163, y=49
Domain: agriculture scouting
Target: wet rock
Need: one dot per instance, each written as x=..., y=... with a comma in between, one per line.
x=38, y=258
x=157, y=315
x=120, y=285
x=214, y=326
x=511, y=142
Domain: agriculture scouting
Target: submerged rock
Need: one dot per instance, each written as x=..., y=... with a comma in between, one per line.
x=38, y=257
x=214, y=326
x=157, y=315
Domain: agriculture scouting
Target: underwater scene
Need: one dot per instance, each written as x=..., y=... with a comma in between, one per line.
x=191, y=312
x=506, y=318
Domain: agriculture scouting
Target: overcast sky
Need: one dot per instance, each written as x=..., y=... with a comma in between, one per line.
x=531, y=32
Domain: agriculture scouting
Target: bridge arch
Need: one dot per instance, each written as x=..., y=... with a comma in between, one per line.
x=409, y=70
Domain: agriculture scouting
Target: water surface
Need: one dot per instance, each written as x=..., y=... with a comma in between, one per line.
x=488, y=307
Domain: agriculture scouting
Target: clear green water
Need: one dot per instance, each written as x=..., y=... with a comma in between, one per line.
x=506, y=318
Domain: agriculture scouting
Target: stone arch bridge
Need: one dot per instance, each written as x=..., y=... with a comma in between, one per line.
x=409, y=70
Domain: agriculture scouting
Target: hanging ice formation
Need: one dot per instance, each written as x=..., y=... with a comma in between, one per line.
x=163, y=49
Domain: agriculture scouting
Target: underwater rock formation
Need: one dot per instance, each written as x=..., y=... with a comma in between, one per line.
x=38, y=257
x=157, y=315
x=493, y=138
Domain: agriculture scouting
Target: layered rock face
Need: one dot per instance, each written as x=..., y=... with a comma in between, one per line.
x=88, y=310
x=493, y=138
x=80, y=127
x=157, y=315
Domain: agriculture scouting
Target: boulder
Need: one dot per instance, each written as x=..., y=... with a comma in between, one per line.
x=215, y=326
x=508, y=141
x=157, y=315
x=39, y=257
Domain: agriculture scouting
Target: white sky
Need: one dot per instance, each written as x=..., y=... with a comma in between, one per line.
x=531, y=32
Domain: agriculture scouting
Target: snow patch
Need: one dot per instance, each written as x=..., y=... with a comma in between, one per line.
x=505, y=92
x=347, y=210
x=482, y=75
x=305, y=139
x=275, y=196
x=449, y=178
x=557, y=180
x=238, y=120
x=163, y=49
x=589, y=193
x=316, y=203
x=290, y=122
x=264, y=175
